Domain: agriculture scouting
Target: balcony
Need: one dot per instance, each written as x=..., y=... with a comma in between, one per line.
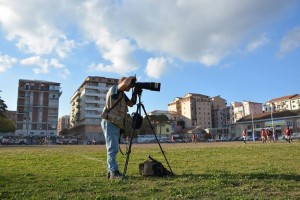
x=91, y=101
x=91, y=87
x=92, y=108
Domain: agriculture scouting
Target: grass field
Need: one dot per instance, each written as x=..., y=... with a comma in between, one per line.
x=228, y=170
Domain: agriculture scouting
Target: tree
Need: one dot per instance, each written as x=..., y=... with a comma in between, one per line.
x=159, y=120
x=3, y=107
x=65, y=131
x=7, y=125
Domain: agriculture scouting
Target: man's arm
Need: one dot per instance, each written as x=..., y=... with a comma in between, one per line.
x=125, y=84
x=133, y=99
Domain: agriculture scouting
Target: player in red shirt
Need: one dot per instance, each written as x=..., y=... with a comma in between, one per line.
x=263, y=135
x=288, y=134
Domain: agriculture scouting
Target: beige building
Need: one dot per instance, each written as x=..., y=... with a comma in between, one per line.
x=242, y=109
x=217, y=106
x=220, y=115
x=63, y=123
x=195, y=110
x=37, y=108
x=87, y=104
x=289, y=102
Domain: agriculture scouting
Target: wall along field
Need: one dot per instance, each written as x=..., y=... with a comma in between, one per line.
x=230, y=170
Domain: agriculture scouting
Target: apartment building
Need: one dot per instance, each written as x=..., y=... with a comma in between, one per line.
x=87, y=104
x=289, y=102
x=220, y=114
x=195, y=110
x=63, y=123
x=175, y=105
x=37, y=108
x=242, y=109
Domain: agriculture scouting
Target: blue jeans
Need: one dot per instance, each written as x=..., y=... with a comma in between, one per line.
x=111, y=134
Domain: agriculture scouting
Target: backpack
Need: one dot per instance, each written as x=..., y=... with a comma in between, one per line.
x=153, y=167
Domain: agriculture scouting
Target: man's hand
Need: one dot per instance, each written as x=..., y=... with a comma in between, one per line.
x=125, y=84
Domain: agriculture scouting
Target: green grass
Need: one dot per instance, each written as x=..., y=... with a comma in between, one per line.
x=203, y=171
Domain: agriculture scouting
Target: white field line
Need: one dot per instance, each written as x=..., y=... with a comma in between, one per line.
x=91, y=158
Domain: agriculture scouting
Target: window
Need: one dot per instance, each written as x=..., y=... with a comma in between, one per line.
x=289, y=123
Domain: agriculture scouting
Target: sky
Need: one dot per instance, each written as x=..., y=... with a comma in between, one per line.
x=240, y=50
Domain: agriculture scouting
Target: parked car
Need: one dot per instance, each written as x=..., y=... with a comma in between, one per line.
x=296, y=136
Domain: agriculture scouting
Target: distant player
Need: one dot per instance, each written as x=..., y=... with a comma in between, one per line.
x=263, y=135
x=244, y=134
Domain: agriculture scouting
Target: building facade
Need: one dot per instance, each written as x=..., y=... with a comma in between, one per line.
x=63, y=123
x=37, y=108
x=289, y=102
x=195, y=110
x=87, y=104
x=242, y=109
x=278, y=120
x=220, y=113
x=11, y=115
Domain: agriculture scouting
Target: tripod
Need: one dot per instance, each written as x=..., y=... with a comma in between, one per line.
x=135, y=127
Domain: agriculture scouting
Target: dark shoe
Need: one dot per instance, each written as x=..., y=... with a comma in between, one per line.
x=116, y=175
x=108, y=175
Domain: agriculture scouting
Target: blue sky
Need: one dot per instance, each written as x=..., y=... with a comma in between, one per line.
x=240, y=50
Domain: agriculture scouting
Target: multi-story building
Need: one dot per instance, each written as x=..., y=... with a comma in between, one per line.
x=195, y=110
x=87, y=104
x=220, y=114
x=11, y=115
x=289, y=102
x=63, y=123
x=242, y=109
x=175, y=105
x=37, y=108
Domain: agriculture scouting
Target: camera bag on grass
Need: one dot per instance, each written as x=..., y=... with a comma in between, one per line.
x=153, y=167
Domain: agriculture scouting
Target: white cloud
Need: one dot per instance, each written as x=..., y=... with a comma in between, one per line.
x=64, y=73
x=290, y=42
x=117, y=50
x=259, y=42
x=41, y=65
x=55, y=63
x=6, y=62
x=34, y=26
x=191, y=31
x=156, y=67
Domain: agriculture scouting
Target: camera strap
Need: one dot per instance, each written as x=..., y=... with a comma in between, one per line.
x=108, y=110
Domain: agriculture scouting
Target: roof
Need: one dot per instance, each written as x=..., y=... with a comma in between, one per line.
x=285, y=97
x=38, y=81
x=267, y=115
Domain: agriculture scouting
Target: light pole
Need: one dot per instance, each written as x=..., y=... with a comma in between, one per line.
x=273, y=129
x=253, y=137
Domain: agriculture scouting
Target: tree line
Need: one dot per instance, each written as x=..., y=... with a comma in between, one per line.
x=6, y=124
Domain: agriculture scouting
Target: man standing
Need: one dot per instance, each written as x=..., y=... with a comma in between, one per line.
x=263, y=135
x=113, y=117
x=288, y=134
x=244, y=134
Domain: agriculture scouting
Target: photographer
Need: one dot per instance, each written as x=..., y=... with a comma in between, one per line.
x=113, y=117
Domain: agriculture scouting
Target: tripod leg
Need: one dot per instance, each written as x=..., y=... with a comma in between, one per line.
x=128, y=155
x=162, y=151
x=130, y=144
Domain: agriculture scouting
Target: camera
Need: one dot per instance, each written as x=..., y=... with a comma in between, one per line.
x=145, y=85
